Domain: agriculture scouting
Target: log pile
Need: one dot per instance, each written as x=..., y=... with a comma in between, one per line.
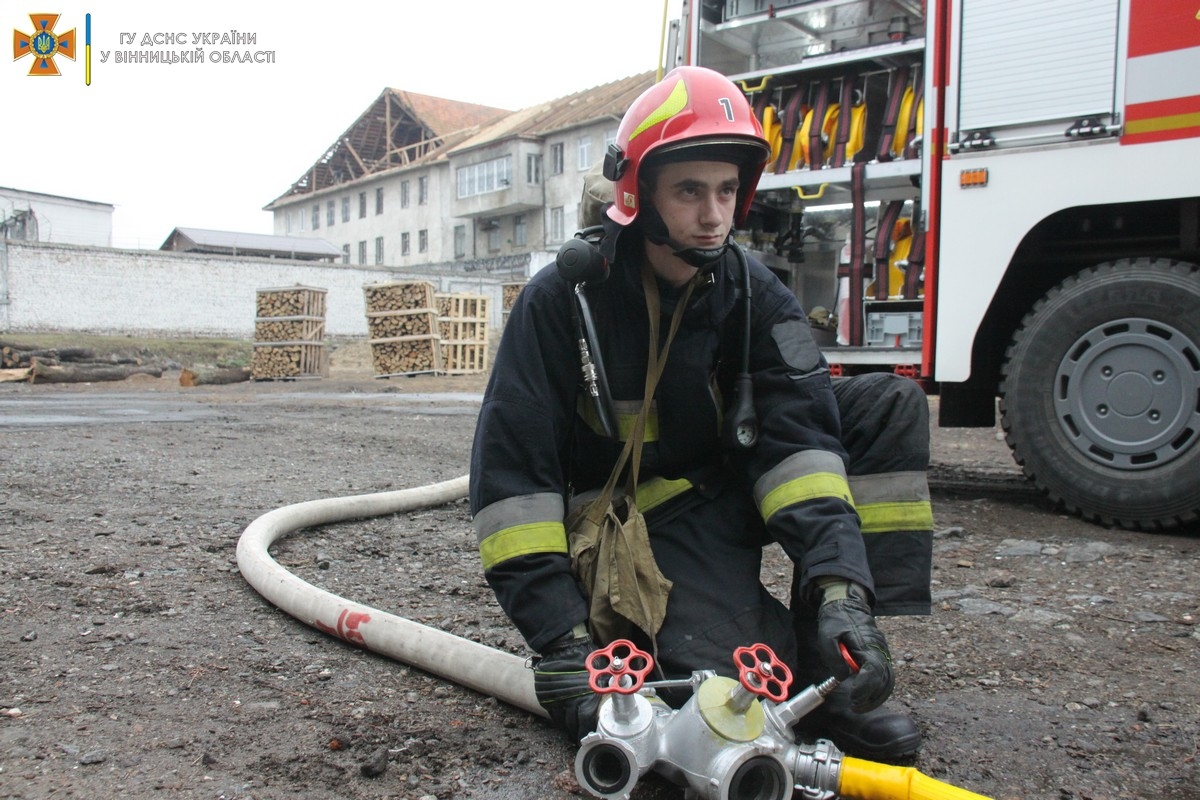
x=394, y=324
x=288, y=360
x=402, y=328
x=508, y=296
x=414, y=355
x=414, y=330
x=68, y=365
x=397, y=296
x=289, y=334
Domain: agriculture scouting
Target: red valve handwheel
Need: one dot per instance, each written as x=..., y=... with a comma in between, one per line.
x=849, y=659
x=621, y=667
x=762, y=673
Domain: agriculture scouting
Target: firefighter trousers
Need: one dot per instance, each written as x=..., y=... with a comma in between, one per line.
x=709, y=542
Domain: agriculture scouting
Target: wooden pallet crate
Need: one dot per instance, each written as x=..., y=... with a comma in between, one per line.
x=463, y=306
x=395, y=324
x=288, y=360
x=462, y=358
x=406, y=355
x=466, y=331
x=289, y=329
x=398, y=296
x=291, y=301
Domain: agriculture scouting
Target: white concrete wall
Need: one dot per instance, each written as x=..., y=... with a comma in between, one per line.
x=62, y=220
x=147, y=292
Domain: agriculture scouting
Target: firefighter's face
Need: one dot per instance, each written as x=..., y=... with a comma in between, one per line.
x=696, y=200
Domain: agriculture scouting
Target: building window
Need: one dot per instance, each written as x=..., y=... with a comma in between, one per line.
x=316, y=216
x=610, y=138
x=362, y=205
x=520, y=231
x=287, y=224
x=422, y=190
x=556, y=159
x=346, y=208
x=533, y=169
x=422, y=241
x=379, y=200
x=345, y=254
x=404, y=194
x=584, y=149
x=378, y=249
x=330, y=213
x=460, y=241
x=300, y=215
x=493, y=239
x=404, y=247
x=557, y=226
x=487, y=176
x=362, y=253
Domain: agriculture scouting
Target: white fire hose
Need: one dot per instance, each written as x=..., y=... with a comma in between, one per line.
x=704, y=745
x=470, y=664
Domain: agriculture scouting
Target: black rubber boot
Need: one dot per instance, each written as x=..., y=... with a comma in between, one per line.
x=878, y=735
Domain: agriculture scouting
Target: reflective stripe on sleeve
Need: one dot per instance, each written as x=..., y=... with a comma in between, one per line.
x=521, y=525
x=802, y=476
x=893, y=501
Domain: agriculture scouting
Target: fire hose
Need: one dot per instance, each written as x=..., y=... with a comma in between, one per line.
x=731, y=740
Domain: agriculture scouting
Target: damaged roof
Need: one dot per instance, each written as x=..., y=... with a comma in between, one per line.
x=405, y=129
x=400, y=128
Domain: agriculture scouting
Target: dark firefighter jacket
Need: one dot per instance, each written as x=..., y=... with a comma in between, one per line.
x=537, y=438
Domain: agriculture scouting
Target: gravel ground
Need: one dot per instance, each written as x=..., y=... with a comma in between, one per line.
x=1060, y=660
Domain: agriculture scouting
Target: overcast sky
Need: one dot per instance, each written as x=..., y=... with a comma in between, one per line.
x=207, y=145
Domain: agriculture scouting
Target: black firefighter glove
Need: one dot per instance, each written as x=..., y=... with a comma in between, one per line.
x=845, y=616
x=560, y=681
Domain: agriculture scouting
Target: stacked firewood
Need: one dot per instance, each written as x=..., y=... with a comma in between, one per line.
x=394, y=324
x=287, y=360
x=289, y=334
x=300, y=301
x=398, y=296
x=289, y=329
x=415, y=356
x=402, y=326
x=508, y=296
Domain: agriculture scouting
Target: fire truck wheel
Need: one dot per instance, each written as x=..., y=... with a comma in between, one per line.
x=1100, y=393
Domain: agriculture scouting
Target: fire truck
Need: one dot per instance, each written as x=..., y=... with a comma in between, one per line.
x=1020, y=187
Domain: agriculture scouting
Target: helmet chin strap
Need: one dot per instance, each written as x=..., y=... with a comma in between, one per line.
x=702, y=258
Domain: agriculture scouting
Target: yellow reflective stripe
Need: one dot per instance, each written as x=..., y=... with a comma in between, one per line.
x=806, y=487
x=520, y=540
x=676, y=101
x=625, y=423
x=586, y=408
x=657, y=491
x=886, y=517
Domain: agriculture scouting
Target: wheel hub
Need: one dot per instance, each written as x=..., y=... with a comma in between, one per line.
x=1126, y=394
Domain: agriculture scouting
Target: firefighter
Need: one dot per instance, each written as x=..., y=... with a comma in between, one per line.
x=832, y=471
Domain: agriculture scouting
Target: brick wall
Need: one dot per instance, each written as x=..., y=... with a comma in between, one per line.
x=148, y=292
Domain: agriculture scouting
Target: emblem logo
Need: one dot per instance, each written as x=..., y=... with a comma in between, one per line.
x=43, y=44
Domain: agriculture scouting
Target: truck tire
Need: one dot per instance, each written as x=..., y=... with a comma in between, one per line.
x=1100, y=394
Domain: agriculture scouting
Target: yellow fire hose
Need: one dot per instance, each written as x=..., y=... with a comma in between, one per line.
x=869, y=780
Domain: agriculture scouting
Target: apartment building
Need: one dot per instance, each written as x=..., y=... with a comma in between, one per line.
x=418, y=181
